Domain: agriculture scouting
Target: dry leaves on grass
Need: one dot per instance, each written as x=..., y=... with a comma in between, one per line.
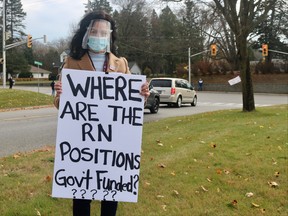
x=255, y=205
x=48, y=178
x=159, y=143
x=273, y=184
x=161, y=165
x=204, y=189
x=249, y=194
x=37, y=212
x=176, y=192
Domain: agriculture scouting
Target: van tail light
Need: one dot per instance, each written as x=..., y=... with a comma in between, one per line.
x=173, y=91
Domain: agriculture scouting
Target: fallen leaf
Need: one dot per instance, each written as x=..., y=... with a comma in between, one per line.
x=277, y=174
x=176, y=192
x=211, y=154
x=249, y=194
x=147, y=183
x=273, y=184
x=160, y=196
x=173, y=173
x=162, y=165
x=226, y=172
x=279, y=147
x=48, y=178
x=160, y=144
x=218, y=190
x=213, y=145
x=15, y=156
x=164, y=207
x=204, y=189
x=234, y=202
x=255, y=205
x=219, y=171
x=37, y=212
x=263, y=211
x=209, y=180
x=261, y=126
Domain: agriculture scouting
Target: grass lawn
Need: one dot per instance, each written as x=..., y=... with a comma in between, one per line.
x=218, y=163
x=13, y=98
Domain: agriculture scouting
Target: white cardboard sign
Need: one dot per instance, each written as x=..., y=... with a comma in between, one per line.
x=99, y=136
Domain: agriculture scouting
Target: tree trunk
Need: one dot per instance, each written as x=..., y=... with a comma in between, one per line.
x=246, y=78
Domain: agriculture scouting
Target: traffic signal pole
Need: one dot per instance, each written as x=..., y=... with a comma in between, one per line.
x=189, y=61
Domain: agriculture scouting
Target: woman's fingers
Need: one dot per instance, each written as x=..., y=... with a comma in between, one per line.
x=58, y=87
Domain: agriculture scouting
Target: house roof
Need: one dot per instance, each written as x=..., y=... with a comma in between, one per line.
x=131, y=64
x=40, y=70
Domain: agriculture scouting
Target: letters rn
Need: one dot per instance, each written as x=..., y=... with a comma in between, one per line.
x=108, y=88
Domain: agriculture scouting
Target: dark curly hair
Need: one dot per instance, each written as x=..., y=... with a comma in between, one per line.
x=76, y=50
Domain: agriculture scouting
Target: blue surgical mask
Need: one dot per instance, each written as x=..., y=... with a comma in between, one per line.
x=97, y=44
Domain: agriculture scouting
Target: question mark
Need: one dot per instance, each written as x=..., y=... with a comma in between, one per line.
x=114, y=193
x=83, y=193
x=93, y=193
x=74, y=193
x=107, y=192
x=135, y=183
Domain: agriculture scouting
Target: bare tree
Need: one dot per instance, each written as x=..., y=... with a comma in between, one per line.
x=243, y=16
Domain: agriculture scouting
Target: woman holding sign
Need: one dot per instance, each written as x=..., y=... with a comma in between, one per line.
x=92, y=48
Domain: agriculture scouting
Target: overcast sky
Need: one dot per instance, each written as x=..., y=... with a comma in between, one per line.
x=52, y=18
x=55, y=18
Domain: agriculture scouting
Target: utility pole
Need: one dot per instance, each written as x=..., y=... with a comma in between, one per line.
x=4, y=44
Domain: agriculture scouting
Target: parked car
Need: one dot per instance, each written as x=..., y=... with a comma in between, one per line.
x=153, y=100
x=174, y=91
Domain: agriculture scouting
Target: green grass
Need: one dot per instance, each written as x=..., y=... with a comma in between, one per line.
x=195, y=165
x=13, y=98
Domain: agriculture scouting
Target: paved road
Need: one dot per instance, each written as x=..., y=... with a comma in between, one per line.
x=25, y=130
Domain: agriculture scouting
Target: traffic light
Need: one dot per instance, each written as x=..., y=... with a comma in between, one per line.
x=264, y=49
x=29, y=41
x=213, y=49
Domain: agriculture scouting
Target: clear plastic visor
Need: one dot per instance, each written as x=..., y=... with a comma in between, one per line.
x=97, y=28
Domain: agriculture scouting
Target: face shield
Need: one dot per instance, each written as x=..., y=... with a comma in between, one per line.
x=98, y=36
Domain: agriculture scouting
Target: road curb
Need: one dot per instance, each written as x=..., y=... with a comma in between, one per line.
x=26, y=108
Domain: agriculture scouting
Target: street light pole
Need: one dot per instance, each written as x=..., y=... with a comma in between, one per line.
x=4, y=44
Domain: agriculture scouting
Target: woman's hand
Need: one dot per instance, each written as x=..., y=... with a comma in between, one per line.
x=145, y=90
x=58, y=88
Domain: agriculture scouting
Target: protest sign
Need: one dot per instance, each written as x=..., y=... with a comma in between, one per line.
x=99, y=136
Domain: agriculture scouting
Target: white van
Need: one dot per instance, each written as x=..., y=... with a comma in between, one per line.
x=174, y=91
